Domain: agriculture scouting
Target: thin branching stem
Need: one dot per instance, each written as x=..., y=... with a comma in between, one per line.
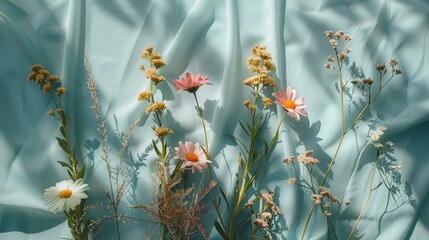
x=371, y=189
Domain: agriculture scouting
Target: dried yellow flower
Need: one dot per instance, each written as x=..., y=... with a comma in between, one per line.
x=51, y=112
x=252, y=107
x=153, y=74
x=156, y=56
x=36, y=67
x=270, y=65
x=246, y=102
x=161, y=132
x=156, y=107
x=39, y=77
x=267, y=102
x=268, y=81
x=53, y=79
x=158, y=63
x=252, y=81
x=144, y=95
x=253, y=61
x=288, y=160
x=60, y=91
x=46, y=87
x=147, y=52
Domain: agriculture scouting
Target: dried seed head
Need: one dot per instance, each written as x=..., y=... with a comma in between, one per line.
x=329, y=34
x=339, y=34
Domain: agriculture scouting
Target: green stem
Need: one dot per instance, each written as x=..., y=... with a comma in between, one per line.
x=368, y=197
x=241, y=193
x=343, y=132
x=200, y=112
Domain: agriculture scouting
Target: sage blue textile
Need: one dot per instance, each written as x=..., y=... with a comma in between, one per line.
x=214, y=38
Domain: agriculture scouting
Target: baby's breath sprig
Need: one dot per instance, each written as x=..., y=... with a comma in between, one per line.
x=339, y=42
x=50, y=84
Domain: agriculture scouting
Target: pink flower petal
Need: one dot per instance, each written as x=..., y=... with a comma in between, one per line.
x=293, y=94
x=288, y=93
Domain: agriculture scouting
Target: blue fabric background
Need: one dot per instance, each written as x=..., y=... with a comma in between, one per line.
x=212, y=37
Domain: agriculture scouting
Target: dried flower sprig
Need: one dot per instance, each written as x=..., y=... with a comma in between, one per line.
x=261, y=64
x=375, y=140
x=74, y=205
x=264, y=217
x=118, y=182
x=336, y=62
x=170, y=206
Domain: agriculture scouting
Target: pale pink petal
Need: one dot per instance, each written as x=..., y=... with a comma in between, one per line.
x=189, y=147
x=294, y=115
x=283, y=95
x=293, y=94
x=288, y=93
x=299, y=101
x=302, y=112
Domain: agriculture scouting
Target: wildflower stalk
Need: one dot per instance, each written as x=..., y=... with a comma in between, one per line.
x=76, y=218
x=207, y=152
x=371, y=189
x=343, y=133
x=367, y=83
x=248, y=165
x=200, y=112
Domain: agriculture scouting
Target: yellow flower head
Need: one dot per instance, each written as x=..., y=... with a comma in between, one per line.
x=60, y=91
x=153, y=74
x=144, y=96
x=160, y=131
x=267, y=102
x=156, y=107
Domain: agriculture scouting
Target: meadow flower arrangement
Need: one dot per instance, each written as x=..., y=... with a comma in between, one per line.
x=67, y=196
x=177, y=205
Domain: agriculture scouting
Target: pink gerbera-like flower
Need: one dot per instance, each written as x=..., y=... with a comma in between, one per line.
x=287, y=100
x=190, y=83
x=193, y=155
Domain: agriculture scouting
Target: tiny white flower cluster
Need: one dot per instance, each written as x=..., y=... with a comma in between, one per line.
x=375, y=137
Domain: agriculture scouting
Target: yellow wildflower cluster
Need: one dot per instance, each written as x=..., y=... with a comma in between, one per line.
x=156, y=63
x=158, y=107
x=145, y=95
x=262, y=65
x=44, y=79
x=162, y=131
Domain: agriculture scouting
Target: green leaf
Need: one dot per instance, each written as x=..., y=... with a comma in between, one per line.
x=226, y=200
x=221, y=231
x=63, y=131
x=156, y=148
x=63, y=116
x=70, y=174
x=238, y=141
x=81, y=173
x=63, y=144
x=244, y=129
x=64, y=164
x=70, y=222
x=240, y=160
x=273, y=143
x=252, y=179
x=244, y=221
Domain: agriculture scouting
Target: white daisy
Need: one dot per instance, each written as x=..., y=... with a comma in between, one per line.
x=193, y=155
x=65, y=195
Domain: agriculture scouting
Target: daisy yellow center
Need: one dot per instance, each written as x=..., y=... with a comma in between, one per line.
x=192, y=157
x=289, y=104
x=65, y=193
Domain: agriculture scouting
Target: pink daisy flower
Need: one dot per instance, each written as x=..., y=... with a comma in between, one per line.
x=193, y=155
x=287, y=101
x=190, y=83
